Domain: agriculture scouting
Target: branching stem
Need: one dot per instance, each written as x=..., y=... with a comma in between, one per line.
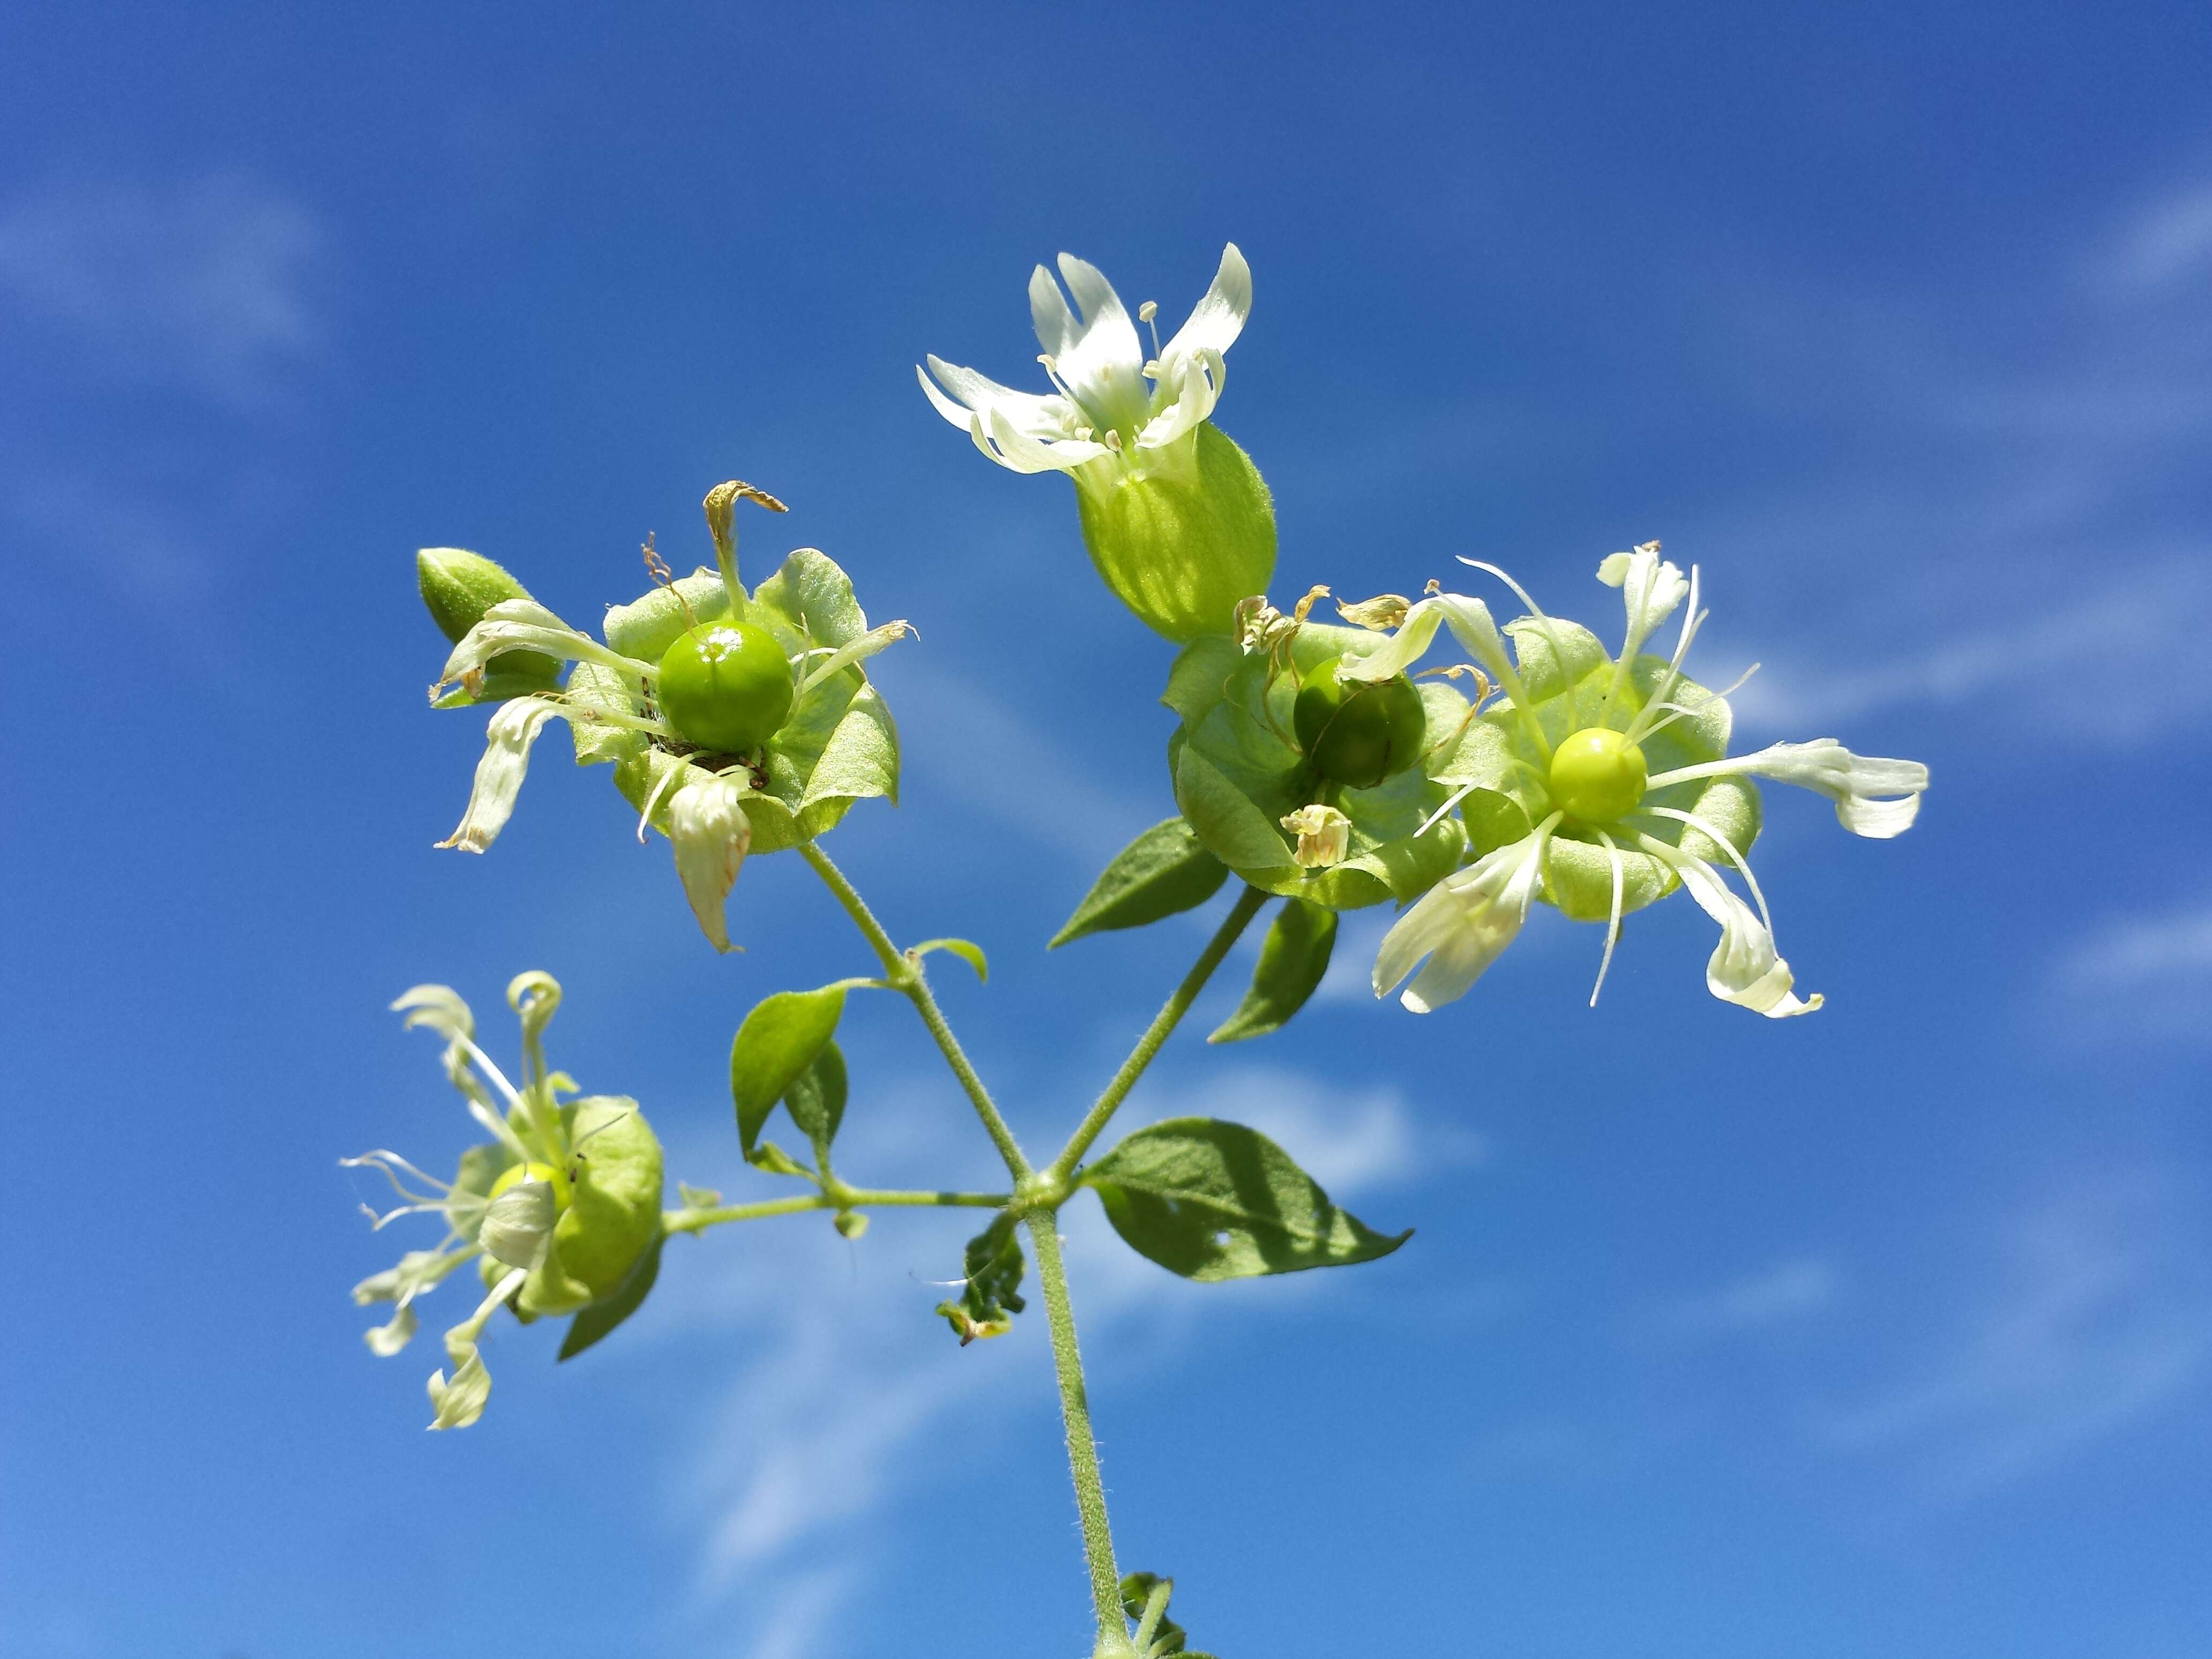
x=836, y=1197
x=1164, y=1023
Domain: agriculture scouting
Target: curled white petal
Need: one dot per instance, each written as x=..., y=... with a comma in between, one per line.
x=459, y=1402
x=1745, y=968
x=526, y=625
x=1650, y=587
x=1461, y=925
x=518, y=1224
x=1217, y=318
x=387, y=1340
x=1874, y=797
x=1020, y=452
x=708, y=826
x=966, y=392
x=853, y=651
x=438, y=1006
x=514, y=727
x=1104, y=365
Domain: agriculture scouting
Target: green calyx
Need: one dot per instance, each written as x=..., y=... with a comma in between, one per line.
x=725, y=686
x=1180, y=535
x=458, y=588
x=1358, y=732
x=1596, y=776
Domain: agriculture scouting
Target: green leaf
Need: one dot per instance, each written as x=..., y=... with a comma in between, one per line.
x=1213, y=1200
x=1163, y=871
x=1292, y=964
x=816, y=1099
x=779, y=1040
x=595, y=1320
x=1240, y=833
x=992, y=1269
x=967, y=949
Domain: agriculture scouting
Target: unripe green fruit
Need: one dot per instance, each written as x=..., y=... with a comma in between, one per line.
x=1358, y=732
x=1596, y=776
x=725, y=686
x=458, y=588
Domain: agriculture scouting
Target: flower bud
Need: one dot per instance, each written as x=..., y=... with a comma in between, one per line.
x=459, y=586
x=1183, y=536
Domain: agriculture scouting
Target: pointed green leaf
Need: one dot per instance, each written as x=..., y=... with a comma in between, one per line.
x=816, y=1099
x=595, y=1320
x=1162, y=871
x=779, y=1040
x=1292, y=964
x=967, y=949
x=1213, y=1200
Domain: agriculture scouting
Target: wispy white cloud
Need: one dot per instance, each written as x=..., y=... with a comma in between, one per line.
x=2139, y=976
x=2134, y=642
x=2168, y=240
x=2103, y=1318
x=203, y=284
x=1786, y=1291
x=832, y=1420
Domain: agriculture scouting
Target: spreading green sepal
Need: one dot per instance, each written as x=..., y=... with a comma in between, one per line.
x=780, y=1040
x=1293, y=960
x=1164, y=871
x=991, y=1266
x=1213, y=1200
x=599, y=1318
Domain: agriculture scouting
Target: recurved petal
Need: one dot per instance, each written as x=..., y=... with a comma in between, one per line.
x=1218, y=318
x=1744, y=969
x=1463, y=925
x=1045, y=416
x=1650, y=587
x=1008, y=445
x=438, y=1006
x=1402, y=650
x=708, y=826
x=499, y=777
x=1874, y=797
x=1104, y=365
x=1196, y=387
x=459, y=1402
x=1057, y=330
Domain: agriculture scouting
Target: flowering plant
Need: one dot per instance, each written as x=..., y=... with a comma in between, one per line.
x=1312, y=763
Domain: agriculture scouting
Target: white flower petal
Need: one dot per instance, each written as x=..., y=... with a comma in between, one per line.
x=461, y=1401
x=1874, y=797
x=1219, y=316
x=1470, y=623
x=1041, y=416
x=438, y=1006
x=1197, y=392
x=514, y=727
x=1650, y=587
x=387, y=1340
x=1016, y=450
x=853, y=651
x=1463, y=925
x=707, y=824
x=1744, y=969
x=518, y=1224
x=1057, y=331
x=1104, y=365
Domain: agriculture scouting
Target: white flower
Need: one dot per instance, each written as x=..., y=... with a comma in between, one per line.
x=1109, y=399
x=1571, y=752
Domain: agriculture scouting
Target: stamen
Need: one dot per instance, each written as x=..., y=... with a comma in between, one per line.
x=1613, y=920
x=1711, y=832
x=1558, y=650
x=1147, y=312
x=653, y=799
x=1678, y=712
x=1458, y=795
x=1693, y=619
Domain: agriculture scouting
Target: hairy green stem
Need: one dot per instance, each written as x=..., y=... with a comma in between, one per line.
x=906, y=975
x=838, y=1197
x=1164, y=1022
x=1075, y=1415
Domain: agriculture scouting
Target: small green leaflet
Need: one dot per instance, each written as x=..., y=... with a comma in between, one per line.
x=1213, y=1200
x=1163, y=871
x=967, y=949
x=816, y=1099
x=1292, y=962
x=778, y=1041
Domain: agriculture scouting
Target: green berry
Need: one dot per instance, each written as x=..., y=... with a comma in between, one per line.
x=1358, y=732
x=1596, y=776
x=725, y=686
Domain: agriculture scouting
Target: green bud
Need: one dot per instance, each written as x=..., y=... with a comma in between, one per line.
x=850, y=1223
x=459, y=586
x=1180, y=540
x=725, y=686
x=1358, y=732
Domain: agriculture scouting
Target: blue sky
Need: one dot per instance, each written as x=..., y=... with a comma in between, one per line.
x=1883, y=1332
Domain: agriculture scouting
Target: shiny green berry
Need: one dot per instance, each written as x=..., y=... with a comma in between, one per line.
x=725, y=686
x=1358, y=732
x=1597, y=775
